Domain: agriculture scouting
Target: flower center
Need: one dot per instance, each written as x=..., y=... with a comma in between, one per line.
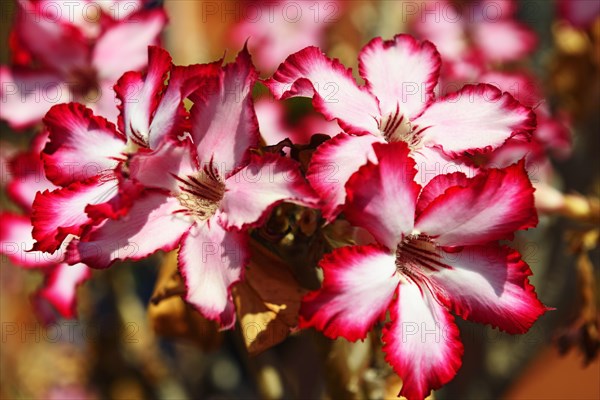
x=200, y=194
x=417, y=257
x=396, y=127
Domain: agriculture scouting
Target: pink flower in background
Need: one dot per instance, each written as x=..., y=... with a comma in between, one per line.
x=278, y=28
x=275, y=127
x=397, y=103
x=201, y=194
x=60, y=279
x=473, y=35
x=579, y=13
x=436, y=252
x=67, y=51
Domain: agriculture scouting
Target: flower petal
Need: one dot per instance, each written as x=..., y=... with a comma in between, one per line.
x=382, y=197
x=504, y=40
x=224, y=124
x=150, y=225
x=492, y=206
x=437, y=186
x=161, y=167
x=27, y=174
x=477, y=117
x=26, y=96
x=16, y=242
x=171, y=117
x=421, y=342
x=60, y=288
x=81, y=145
x=309, y=73
x=140, y=96
x=266, y=181
x=401, y=72
x=432, y=162
x=488, y=284
x=448, y=33
x=359, y=284
x=211, y=260
x=123, y=46
x=57, y=43
x=333, y=163
x=61, y=212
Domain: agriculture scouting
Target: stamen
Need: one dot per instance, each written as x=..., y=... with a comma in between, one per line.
x=396, y=128
x=417, y=257
x=201, y=194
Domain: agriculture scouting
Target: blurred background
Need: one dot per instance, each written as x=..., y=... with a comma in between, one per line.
x=123, y=346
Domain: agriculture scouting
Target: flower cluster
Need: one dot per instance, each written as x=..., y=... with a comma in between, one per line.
x=187, y=163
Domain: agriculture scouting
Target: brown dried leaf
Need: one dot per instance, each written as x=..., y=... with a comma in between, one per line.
x=171, y=316
x=267, y=301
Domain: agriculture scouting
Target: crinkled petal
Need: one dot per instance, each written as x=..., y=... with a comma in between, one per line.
x=224, y=124
x=476, y=118
x=171, y=117
x=333, y=163
x=382, y=197
x=358, y=286
x=437, y=186
x=490, y=285
x=309, y=73
x=402, y=72
x=140, y=96
x=61, y=212
x=492, y=206
x=422, y=342
x=81, y=145
x=211, y=260
x=152, y=224
x=254, y=190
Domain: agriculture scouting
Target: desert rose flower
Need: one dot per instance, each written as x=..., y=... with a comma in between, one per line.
x=87, y=156
x=201, y=194
x=436, y=252
x=397, y=104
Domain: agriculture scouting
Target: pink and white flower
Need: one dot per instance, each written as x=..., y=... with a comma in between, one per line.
x=397, y=104
x=432, y=256
x=279, y=28
x=16, y=243
x=87, y=156
x=80, y=48
x=473, y=35
x=201, y=194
